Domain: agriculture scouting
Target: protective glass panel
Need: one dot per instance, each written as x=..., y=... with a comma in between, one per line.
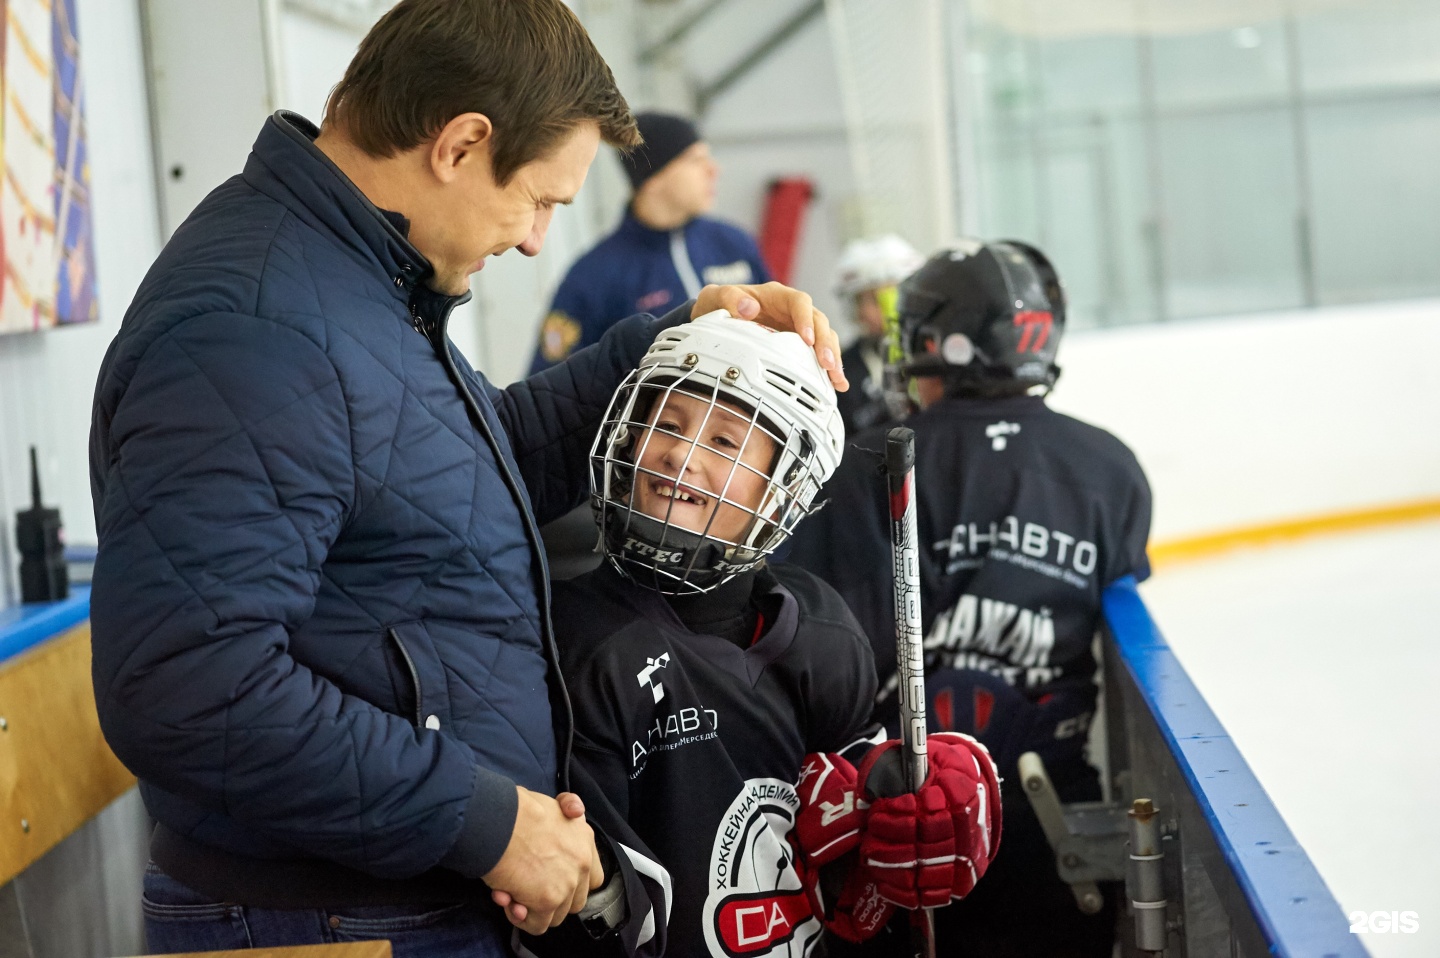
x=1180, y=160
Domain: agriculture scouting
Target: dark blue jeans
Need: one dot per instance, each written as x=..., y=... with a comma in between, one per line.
x=180, y=920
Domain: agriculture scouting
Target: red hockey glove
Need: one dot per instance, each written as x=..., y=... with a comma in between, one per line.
x=847, y=899
x=924, y=848
x=828, y=824
x=827, y=831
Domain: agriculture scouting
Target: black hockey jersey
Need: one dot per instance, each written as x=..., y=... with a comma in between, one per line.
x=1025, y=516
x=687, y=751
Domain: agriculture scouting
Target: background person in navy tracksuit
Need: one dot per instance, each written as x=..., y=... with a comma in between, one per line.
x=663, y=251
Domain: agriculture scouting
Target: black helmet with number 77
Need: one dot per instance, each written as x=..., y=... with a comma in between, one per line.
x=986, y=316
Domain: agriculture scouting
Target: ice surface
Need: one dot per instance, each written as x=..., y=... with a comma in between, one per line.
x=1322, y=658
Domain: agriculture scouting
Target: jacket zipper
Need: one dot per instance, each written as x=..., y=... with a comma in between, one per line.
x=414, y=677
x=436, y=333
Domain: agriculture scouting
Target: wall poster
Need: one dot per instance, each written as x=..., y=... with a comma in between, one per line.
x=45, y=225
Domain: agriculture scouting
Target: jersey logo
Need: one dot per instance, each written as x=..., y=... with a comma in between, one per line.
x=558, y=335
x=756, y=907
x=729, y=274
x=997, y=431
x=646, y=676
x=757, y=924
x=1034, y=330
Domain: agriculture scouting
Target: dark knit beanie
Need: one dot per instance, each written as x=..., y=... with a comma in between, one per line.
x=666, y=137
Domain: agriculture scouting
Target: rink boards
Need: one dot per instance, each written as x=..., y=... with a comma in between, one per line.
x=1236, y=880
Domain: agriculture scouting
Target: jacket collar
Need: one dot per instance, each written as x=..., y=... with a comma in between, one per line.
x=286, y=165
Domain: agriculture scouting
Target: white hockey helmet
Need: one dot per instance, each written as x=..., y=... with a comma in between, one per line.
x=720, y=372
x=873, y=263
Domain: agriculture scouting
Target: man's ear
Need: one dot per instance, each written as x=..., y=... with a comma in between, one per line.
x=465, y=140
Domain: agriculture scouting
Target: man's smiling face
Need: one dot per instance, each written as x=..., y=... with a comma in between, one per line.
x=478, y=218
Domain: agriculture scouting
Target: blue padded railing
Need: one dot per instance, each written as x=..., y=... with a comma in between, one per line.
x=23, y=626
x=1292, y=905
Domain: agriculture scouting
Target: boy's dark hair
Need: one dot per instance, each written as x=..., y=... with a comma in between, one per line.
x=528, y=65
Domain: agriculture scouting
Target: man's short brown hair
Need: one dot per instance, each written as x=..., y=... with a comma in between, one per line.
x=528, y=65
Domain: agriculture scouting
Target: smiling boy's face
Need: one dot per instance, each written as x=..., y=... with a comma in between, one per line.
x=726, y=458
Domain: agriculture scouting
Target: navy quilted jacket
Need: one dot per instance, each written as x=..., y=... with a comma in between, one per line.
x=319, y=612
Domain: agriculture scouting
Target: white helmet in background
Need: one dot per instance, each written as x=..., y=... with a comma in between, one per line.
x=678, y=522
x=873, y=263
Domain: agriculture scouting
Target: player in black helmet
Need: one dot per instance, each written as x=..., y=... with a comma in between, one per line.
x=1025, y=516
x=717, y=697
x=986, y=319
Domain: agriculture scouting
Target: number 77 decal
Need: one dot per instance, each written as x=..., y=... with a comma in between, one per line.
x=1036, y=330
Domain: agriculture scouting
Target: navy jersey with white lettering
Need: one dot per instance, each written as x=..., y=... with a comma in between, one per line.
x=687, y=752
x=640, y=270
x=1025, y=516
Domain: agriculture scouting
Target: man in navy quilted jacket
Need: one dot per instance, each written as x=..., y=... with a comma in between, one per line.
x=320, y=612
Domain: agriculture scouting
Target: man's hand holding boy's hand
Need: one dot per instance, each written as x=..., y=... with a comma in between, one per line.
x=551, y=864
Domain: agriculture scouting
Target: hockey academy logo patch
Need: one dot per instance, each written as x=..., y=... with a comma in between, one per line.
x=756, y=906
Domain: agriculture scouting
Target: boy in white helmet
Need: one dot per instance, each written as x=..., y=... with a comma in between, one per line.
x=866, y=276
x=713, y=692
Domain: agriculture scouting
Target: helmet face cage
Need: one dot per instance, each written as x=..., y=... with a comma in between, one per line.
x=661, y=551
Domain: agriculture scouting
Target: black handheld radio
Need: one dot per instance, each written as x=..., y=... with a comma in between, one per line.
x=43, y=576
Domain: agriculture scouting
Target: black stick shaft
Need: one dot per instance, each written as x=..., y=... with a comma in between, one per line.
x=909, y=647
x=905, y=558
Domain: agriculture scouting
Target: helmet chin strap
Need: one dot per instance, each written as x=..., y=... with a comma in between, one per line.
x=672, y=560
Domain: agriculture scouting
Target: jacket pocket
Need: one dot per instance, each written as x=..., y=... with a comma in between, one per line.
x=420, y=661
x=405, y=677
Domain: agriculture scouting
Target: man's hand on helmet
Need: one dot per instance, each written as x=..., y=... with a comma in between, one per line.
x=783, y=308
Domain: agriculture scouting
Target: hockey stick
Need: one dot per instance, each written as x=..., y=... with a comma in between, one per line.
x=909, y=648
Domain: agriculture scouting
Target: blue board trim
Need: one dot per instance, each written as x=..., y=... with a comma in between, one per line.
x=25, y=626
x=1295, y=910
